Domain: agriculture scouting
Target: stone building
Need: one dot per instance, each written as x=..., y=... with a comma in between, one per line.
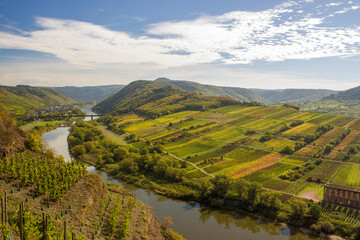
x=346, y=196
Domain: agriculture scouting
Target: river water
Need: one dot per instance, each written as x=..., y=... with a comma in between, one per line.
x=190, y=219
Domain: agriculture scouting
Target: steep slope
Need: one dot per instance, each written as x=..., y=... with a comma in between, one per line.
x=21, y=99
x=11, y=137
x=89, y=93
x=293, y=95
x=156, y=98
x=241, y=94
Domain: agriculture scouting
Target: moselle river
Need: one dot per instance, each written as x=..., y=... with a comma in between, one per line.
x=190, y=219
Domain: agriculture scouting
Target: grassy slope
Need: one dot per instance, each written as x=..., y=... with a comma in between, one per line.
x=21, y=99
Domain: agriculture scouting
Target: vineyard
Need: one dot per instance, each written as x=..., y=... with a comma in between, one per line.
x=230, y=140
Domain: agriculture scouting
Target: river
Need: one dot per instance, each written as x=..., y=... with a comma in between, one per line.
x=190, y=219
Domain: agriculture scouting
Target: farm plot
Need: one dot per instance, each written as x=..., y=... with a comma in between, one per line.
x=282, y=113
x=348, y=175
x=293, y=160
x=277, y=144
x=303, y=116
x=232, y=109
x=256, y=110
x=176, y=117
x=319, y=119
x=217, y=117
x=262, y=124
x=268, y=172
x=324, y=172
x=302, y=129
x=344, y=122
x=328, y=137
x=225, y=133
x=192, y=147
x=349, y=138
x=189, y=124
x=238, y=158
x=144, y=128
x=127, y=119
x=161, y=134
x=243, y=120
x=264, y=162
x=276, y=184
x=264, y=112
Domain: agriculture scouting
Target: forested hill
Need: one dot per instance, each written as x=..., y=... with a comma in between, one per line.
x=89, y=93
x=292, y=95
x=23, y=98
x=156, y=98
x=350, y=94
x=343, y=103
x=237, y=93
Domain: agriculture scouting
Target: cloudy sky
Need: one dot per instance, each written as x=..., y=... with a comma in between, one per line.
x=253, y=44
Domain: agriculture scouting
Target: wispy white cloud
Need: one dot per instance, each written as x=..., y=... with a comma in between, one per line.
x=287, y=31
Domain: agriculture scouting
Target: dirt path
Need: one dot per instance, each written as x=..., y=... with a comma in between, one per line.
x=311, y=194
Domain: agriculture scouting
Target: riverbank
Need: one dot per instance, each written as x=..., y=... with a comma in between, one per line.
x=226, y=209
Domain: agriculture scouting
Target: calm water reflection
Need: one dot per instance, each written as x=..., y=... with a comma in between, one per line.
x=190, y=219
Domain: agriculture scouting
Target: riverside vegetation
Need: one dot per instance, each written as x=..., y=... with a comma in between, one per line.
x=45, y=198
x=257, y=158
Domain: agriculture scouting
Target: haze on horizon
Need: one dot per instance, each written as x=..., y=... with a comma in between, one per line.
x=258, y=44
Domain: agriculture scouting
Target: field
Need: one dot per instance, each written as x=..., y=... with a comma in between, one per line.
x=227, y=141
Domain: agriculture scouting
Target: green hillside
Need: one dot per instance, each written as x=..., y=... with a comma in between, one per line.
x=348, y=95
x=156, y=98
x=292, y=95
x=241, y=94
x=89, y=93
x=22, y=98
x=343, y=103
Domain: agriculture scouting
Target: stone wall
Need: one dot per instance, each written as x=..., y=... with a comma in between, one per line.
x=346, y=196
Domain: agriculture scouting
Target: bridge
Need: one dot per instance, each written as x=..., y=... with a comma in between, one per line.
x=70, y=116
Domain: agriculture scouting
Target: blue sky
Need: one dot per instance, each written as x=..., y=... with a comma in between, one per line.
x=252, y=44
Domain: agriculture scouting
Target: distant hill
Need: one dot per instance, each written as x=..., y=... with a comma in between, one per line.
x=293, y=95
x=350, y=94
x=157, y=98
x=23, y=98
x=89, y=93
x=241, y=94
x=343, y=103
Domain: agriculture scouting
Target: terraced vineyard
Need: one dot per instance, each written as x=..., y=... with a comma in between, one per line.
x=260, y=144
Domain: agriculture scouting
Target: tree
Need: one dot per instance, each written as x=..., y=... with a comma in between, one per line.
x=129, y=165
x=222, y=186
x=298, y=210
x=253, y=195
x=314, y=212
x=242, y=188
x=78, y=150
x=205, y=188
x=89, y=147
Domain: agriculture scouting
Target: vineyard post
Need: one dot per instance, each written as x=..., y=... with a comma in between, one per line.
x=21, y=222
x=46, y=227
x=2, y=210
x=65, y=230
x=5, y=203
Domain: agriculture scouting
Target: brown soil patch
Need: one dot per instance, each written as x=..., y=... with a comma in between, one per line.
x=311, y=194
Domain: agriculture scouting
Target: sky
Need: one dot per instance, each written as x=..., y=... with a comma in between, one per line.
x=270, y=44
